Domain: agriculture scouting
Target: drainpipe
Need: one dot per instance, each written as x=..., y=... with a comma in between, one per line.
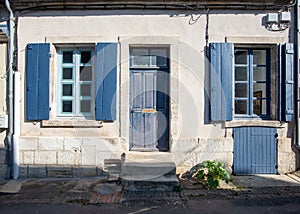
x=10, y=92
x=17, y=125
x=297, y=143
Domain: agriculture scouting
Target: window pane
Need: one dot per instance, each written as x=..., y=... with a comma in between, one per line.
x=259, y=57
x=86, y=73
x=241, y=74
x=67, y=73
x=85, y=106
x=260, y=107
x=85, y=90
x=241, y=107
x=241, y=90
x=85, y=56
x=67, y=106
x=67, y=90
x=259, y=74
x=158, y=57
x=259, y=90
x=68, y=57
x=241, y=57
x=140, y=57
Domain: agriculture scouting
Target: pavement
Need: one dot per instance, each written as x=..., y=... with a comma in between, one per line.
x=97, y=190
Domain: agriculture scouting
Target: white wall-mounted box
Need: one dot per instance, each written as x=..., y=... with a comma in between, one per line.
x=285, y=17
x=3, y=121
x=272, y=17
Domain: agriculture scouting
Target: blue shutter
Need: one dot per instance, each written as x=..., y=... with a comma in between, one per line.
x=287, y=78
x=106, y=81
x=221, y=67
x=37, y=81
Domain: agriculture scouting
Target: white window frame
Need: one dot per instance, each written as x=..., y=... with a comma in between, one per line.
x=75, y=82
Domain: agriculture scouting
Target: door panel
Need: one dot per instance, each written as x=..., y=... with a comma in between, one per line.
x=255, y=150
x=149, y=103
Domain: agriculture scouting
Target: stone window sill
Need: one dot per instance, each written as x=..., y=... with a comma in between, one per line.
x=72, y=123
x=262, y=123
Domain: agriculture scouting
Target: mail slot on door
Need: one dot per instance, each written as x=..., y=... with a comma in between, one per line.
x=148, y=111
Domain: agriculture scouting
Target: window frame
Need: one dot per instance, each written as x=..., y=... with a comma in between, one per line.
x=76, y=82
x=250, y=83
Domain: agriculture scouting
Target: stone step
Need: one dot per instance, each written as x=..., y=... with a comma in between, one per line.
x=153, y=169
x=149, y=157
x=149, y=183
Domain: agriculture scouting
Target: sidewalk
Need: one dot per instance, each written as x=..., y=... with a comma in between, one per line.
x=97, y=190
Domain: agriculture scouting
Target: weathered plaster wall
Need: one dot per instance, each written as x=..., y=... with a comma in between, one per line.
x=192, y=139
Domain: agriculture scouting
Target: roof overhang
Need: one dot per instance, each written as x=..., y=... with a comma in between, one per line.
x=19, y=5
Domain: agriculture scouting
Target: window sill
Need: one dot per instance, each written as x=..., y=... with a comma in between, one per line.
x=72, y=123
x=262, y=123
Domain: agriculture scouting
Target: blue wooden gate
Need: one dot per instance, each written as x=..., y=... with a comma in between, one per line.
x=255, y=150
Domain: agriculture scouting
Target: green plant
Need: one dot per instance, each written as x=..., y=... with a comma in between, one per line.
x=211, y=172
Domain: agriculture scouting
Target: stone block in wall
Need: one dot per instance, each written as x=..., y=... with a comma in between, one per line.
x=23, y=171
x=3, y=168
x=37, y=171
x=104, y=144
x=2, y=156
x=27, y=157
x=211, y=145
x=101, y=156
x=28, y=144
x=189, y=159
x=45, y=157
x=50, y=144
x=286, y=162
x=84, y=171
x=59, y=171
x=184, y=145
x=67, y=158
x=284, y=145
x=73, y=144
x=88, y=155
x=228, y=145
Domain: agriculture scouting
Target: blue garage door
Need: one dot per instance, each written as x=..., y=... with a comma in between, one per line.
x=255, y=150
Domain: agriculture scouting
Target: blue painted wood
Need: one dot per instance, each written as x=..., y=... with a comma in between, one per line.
x=106, y=77
x=288, y=77
x=255, y=150
x=221, y=68
x=37, y=81
x=149, y=130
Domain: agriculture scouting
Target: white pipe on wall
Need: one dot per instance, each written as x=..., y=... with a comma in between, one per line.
x=16, y=136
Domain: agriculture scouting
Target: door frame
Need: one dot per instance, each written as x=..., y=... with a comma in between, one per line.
x=156, y=70
x=122, y=124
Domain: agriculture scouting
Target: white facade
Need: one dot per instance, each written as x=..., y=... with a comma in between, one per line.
x=84, y=145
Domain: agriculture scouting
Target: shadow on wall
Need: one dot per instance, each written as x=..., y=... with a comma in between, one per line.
x=111, y=167
x=206, y=86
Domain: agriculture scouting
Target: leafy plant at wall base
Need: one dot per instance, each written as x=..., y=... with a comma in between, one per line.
x=211, y=172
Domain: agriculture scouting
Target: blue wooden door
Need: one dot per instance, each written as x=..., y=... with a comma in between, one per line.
x=255, y=150
x=149, y=110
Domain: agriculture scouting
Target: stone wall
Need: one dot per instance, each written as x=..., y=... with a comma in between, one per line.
x=66, y=157
x=189, y=152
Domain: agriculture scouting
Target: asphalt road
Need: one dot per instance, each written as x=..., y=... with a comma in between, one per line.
x=192, y=205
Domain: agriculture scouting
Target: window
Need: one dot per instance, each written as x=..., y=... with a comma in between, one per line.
x=252, y=82
x=76, y=82
x=241, y=85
